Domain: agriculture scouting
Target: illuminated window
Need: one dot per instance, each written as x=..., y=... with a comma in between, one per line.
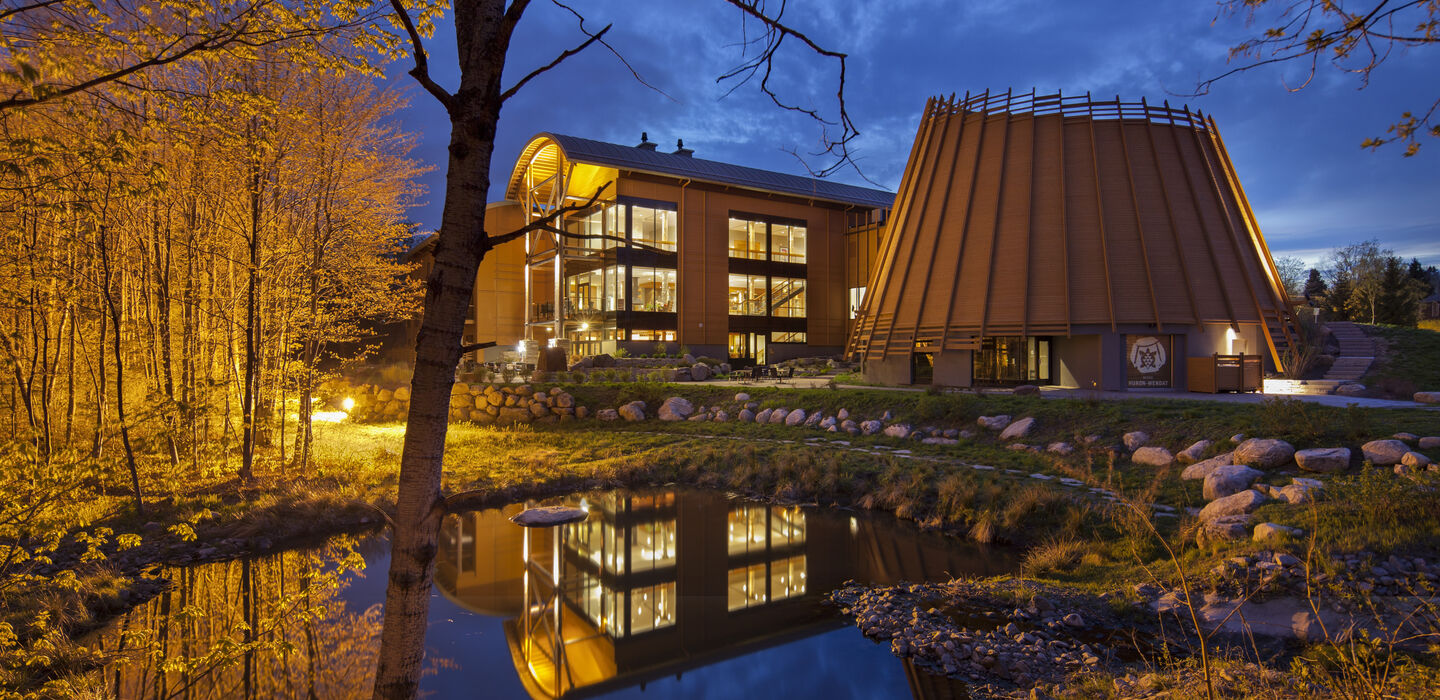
x=787, y=297
x=747, y=295
x=652, y=289
x=652, y=227
x=857, y=299
x=746, y=587
x=747, y=239
x=787, y=337
x=666, y=336
x=787, y=526
x=787, y=243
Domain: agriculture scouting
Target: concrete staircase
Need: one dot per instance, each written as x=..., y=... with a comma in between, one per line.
x=1357, y=351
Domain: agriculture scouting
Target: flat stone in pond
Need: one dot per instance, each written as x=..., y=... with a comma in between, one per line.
x=548, y=516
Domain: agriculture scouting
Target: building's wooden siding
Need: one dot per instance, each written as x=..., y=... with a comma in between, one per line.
x=499, y=305
x=1034, y=220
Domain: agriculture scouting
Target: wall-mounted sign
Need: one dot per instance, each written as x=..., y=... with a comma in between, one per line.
x=1147, y=362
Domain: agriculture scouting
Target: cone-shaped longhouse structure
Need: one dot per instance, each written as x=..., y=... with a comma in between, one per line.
x=1043, y=239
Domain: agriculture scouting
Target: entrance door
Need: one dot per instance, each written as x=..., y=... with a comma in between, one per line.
x=747, y=348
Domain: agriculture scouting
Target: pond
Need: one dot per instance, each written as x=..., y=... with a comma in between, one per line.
x=662, y=593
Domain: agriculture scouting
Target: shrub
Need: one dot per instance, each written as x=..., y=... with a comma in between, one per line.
x=622, y=353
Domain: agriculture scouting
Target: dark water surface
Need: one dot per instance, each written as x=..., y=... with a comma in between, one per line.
x=665, y=593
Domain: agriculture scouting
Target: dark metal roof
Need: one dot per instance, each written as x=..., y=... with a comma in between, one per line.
x=638, y=159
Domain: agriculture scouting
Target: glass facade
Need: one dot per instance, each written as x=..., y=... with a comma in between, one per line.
x=747, y=296
x=1012, y=359
x=652, y=289
x=654, y=228
x=787, y=297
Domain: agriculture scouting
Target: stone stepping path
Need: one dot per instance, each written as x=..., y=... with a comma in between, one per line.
x=1357, y=351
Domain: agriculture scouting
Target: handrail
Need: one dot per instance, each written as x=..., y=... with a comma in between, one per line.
x=1071, y=106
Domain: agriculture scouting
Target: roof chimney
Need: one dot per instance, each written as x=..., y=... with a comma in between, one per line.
x=681, y=150
x=645, y=142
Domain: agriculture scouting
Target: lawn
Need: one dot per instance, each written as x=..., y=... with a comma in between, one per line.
x=1409, y=362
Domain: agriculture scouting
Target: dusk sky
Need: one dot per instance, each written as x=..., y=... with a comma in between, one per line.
x=1298, y=154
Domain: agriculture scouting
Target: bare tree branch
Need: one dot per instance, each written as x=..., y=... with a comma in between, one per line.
x=558, y=59
x=547, y=222
x=421, y=71
x=619, y=56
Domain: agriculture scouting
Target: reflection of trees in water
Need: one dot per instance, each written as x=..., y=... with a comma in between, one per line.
x=270, y=627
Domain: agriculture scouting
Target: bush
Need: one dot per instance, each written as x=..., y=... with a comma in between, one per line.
x=622, y=353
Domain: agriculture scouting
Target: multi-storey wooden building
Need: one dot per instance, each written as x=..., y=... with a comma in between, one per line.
x=731, y=262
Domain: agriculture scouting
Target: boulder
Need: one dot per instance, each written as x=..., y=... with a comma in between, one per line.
x=1350, y=389
x=1297, y=494
x=1383, y=453
x=688, y=359
x=513, y=414
x=842, y=414
x=779, y=415
x=763, y=415
x=1229, y=480
x=828, y=422
x=1427, y=397
x=1027, y=390
x=1237, y=438
x=1060, y=448
x=796, y=417
x=1135, y=439
x=699, y=372
x=1268, y=532
x=1237, y=504
x=1200, y=470
x=538, y=409
x=742, y=397
x=1262, y=453
x=1018, y=429
x=403, y=393
x=633, y=411
x=724, y=368
x=549, y=516
x=993, y=422
x=813, y=420
x=565, y=401
x=1227, y=528
x=1153, y=456
x=1402, y=437
x=899, y=430
x=721, y=417
x=1415, y=460
x=849, y=426
x=1429, y=443
x=582, y=412
x=1192, y=454
x=1325, y=459
x=602, y=360
x=870, y=427
x=676, y=408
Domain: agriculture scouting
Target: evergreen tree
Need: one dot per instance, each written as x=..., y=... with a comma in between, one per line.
x=1425, y=277
x=1339, y=299
x=1399, y=299
x=1315, y=288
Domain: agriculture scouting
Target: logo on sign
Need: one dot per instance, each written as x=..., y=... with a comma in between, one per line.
x=1147, y=355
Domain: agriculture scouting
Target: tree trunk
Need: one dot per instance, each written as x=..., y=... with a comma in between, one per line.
x=482, y=35
x=252, y=333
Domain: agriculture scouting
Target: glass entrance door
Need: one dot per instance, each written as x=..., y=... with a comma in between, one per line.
x=1012, y=359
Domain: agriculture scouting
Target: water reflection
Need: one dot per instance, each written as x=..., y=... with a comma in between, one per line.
x=654, y=585
x=271, y=627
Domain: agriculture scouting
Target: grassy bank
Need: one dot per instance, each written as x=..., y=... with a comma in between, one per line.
x=1408, y=360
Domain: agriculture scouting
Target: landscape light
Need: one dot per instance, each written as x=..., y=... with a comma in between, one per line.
x=348, y=404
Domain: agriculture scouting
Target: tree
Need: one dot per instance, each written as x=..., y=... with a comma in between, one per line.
x=483, y=30
x=1292, y=274
x=1425, y=277
x=1353, y=40
x=1337, y=302
x=1400, y=295
x=1314, y=287
x=1362, y=265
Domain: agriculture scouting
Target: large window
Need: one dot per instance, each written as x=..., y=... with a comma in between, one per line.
x=747, y=295
x=747, y=239
x=652, y=289
x=787, y=243
x=787, y=297
x=652, y=227
x=614, y=285
x=758, y=239
x=583, y=292
x=857, y=299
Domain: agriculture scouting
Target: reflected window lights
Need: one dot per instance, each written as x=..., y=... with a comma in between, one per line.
x=746, y=587
x=652, y=607
x=746, y=529
x=652, y=545
x=787, y=578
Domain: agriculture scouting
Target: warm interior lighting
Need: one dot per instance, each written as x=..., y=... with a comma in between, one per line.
x=584, y=327
x=554, y=342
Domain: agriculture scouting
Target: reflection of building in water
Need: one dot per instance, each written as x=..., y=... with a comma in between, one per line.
x=651, y=585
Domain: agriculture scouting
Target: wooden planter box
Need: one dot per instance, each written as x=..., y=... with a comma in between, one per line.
x=1219, y=373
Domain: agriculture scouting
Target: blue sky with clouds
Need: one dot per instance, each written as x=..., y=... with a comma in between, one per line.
x=1297, y=153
